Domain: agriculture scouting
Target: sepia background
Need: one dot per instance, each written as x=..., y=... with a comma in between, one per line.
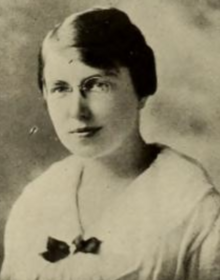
x=185, y=112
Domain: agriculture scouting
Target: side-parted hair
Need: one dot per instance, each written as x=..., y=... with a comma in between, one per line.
x=105, y=38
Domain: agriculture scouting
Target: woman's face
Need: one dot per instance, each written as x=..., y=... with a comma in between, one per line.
x=94, y=112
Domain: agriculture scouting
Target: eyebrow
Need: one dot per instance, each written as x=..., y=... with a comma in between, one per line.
x=60, y=83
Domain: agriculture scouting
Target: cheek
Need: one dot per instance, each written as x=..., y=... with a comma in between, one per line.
x=124, y=118
x=56, y=113
x=125, y=110
x=121, y=119
x=120, y=105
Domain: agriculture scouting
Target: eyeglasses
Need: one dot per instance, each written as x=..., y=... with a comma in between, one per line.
x=95, y=85
x=91, y=85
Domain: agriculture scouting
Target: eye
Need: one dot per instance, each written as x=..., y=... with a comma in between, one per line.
x=96, y=85
x=60, y=88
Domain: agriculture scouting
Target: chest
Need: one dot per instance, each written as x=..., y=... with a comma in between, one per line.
x=95, y=199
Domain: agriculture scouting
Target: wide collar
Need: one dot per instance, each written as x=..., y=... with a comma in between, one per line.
x=163, y=195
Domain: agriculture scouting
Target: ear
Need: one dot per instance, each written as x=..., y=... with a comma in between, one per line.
x=142, y=102
x=44, y=93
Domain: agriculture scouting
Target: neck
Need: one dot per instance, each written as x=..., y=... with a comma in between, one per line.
x=127, y=162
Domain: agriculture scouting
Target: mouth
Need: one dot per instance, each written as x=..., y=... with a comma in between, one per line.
x=85, y=132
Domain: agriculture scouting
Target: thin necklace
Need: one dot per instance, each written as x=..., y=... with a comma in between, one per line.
x=78, y=204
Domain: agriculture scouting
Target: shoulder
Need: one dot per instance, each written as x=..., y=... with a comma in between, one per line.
x=54, y=180
x=177, y=169
x=173, y=188
x=43, y=197
x=178, y=200
x=37, y=212
x=41, y=205
x=181, y=163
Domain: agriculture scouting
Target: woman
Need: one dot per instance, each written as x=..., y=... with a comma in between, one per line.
x=119, y=208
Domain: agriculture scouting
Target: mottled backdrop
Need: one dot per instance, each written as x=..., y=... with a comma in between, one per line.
x=184, y=113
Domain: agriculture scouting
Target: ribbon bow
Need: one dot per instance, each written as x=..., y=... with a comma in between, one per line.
x=58, y=250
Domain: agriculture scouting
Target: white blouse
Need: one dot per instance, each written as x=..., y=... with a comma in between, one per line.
x=165, y=226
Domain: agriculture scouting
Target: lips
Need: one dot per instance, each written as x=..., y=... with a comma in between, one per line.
x=85, y=131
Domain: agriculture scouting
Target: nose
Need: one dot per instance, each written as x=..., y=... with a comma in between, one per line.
x=79, y=106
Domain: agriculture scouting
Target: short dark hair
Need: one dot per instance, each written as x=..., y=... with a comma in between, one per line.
x=106, y=38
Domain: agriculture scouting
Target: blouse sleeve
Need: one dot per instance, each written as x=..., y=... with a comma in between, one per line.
x=204, y=263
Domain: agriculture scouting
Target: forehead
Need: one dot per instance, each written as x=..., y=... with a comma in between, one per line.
x=61, y=55
x=66, y=64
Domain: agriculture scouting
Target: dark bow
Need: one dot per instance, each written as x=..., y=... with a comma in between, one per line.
x=58, y=250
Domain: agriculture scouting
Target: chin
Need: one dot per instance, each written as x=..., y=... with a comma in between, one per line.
x=90, y=152
x=91, y=149
x=85, y=152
